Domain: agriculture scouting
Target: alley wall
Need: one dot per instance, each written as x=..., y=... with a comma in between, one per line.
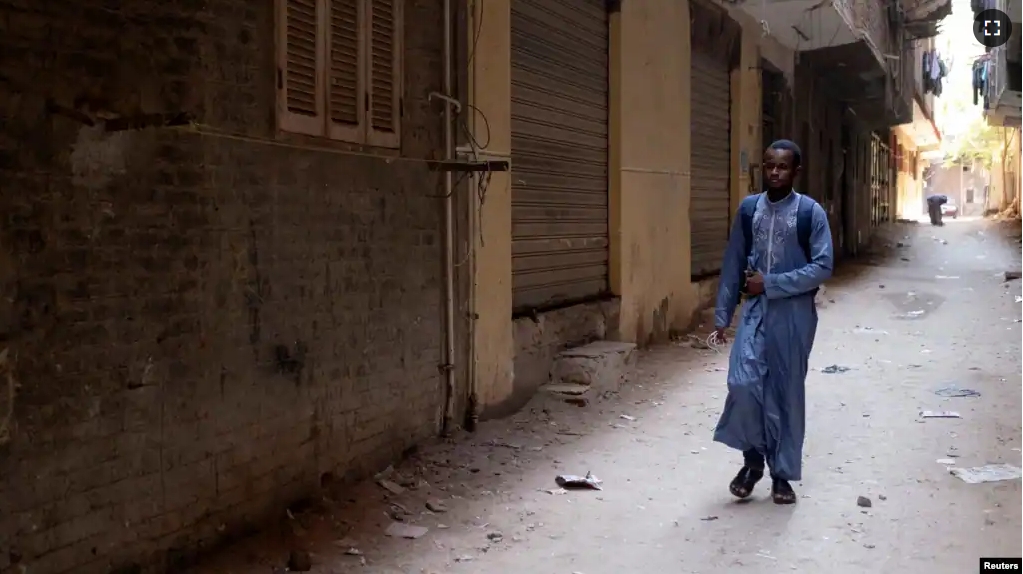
x=965, y=187
x=651, y=290
x=207, y=323
x=199, y=328
x=650, y=166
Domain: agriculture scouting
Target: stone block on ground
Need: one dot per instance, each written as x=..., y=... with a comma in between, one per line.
x=601, y=366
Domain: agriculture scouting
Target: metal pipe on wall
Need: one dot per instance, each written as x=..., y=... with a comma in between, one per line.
x=471, y=21
x=449, y=233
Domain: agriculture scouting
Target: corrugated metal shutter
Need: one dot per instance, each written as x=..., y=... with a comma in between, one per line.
x=559, y=151
x=710, y=208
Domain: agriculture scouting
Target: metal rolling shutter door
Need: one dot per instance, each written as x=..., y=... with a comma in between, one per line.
x=559, y=151
x=710, y=206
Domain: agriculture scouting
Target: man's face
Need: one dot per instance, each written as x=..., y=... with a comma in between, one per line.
x=779, y=168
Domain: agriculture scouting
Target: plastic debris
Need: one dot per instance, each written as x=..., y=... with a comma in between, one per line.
x=410, y=531
x=946, y=461
x=835, y=369
x=940, y=415
x=954, y=392
x=568, y=481
x=434, y=505
x=389, y=486
x=987, y=473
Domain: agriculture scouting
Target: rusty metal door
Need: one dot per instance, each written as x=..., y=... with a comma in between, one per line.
x=559, y=147
x=710, y=130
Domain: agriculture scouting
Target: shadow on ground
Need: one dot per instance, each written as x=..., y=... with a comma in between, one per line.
x=489, y=502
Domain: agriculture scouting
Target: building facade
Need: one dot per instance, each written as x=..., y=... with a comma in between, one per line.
x=248, y=254
x=222, y=274
x=1002, y=90
x=918, y=138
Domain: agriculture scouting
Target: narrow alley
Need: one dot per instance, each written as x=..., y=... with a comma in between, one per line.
x=932, y=312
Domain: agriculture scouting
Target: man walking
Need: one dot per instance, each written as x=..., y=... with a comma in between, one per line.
x=779, y=253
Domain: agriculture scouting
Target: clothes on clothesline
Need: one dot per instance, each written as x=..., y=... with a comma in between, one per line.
x=934, y=72
x=981, y=72
x=979, y=6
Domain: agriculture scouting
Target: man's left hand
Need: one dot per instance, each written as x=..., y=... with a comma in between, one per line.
x=755, y=284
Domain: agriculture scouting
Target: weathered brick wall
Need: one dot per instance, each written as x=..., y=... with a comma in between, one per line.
x=149, y=277
x=870, y=17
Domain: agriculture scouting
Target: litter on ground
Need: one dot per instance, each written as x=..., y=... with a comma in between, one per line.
x=955, y=392
x=940, y=415
x=987, y=473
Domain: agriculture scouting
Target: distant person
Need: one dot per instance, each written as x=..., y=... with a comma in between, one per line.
x=779, y=253
x=934, y=203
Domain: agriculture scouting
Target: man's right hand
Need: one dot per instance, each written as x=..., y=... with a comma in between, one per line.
x=718, y=336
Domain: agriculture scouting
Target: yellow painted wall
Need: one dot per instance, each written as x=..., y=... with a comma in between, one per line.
x=649, y=173
x=649, y=153
x=490, y=91
x=650, y=157
x=746, y=108
x=909, y=189
x=1005, y=182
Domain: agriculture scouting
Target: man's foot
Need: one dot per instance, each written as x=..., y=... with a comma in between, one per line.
x=781, y=492
x=743, y=483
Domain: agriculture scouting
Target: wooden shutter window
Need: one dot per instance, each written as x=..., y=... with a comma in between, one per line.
x=340, y=69
x=345, y=94
x=384, y=73
x=300, y=82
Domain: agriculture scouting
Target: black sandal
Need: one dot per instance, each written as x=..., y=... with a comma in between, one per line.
x=781, y=492
x=743, y=483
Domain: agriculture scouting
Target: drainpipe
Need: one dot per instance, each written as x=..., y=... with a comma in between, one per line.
x=449, y=233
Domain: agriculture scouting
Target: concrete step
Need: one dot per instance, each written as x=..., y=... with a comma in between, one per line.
x=599, y=366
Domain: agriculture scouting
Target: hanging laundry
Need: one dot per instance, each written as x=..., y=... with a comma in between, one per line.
x=978, y=82
x=981, y=67
x=983, y=80
x=925, y=67
x=938, y=72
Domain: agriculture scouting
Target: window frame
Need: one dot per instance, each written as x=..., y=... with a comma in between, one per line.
x=321, y=125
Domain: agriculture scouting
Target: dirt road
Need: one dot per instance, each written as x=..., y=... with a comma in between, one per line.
x=935, y=314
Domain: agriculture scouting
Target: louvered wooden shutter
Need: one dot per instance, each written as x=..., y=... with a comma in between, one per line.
x=384, y=73
x=300, y=78
x=345, y=93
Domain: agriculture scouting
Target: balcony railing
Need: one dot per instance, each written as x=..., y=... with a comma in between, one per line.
x=998, y=78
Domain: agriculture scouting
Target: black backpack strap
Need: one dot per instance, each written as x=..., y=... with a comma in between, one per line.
x=804, y=225
x=804, y=228
x=746, y=210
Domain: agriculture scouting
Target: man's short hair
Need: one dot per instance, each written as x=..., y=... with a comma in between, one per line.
x=788, y=145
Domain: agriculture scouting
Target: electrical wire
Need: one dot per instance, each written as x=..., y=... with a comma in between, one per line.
x=205, y=130
x=475, y=147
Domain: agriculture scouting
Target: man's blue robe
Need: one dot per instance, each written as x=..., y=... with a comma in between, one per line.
x=765, y=408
